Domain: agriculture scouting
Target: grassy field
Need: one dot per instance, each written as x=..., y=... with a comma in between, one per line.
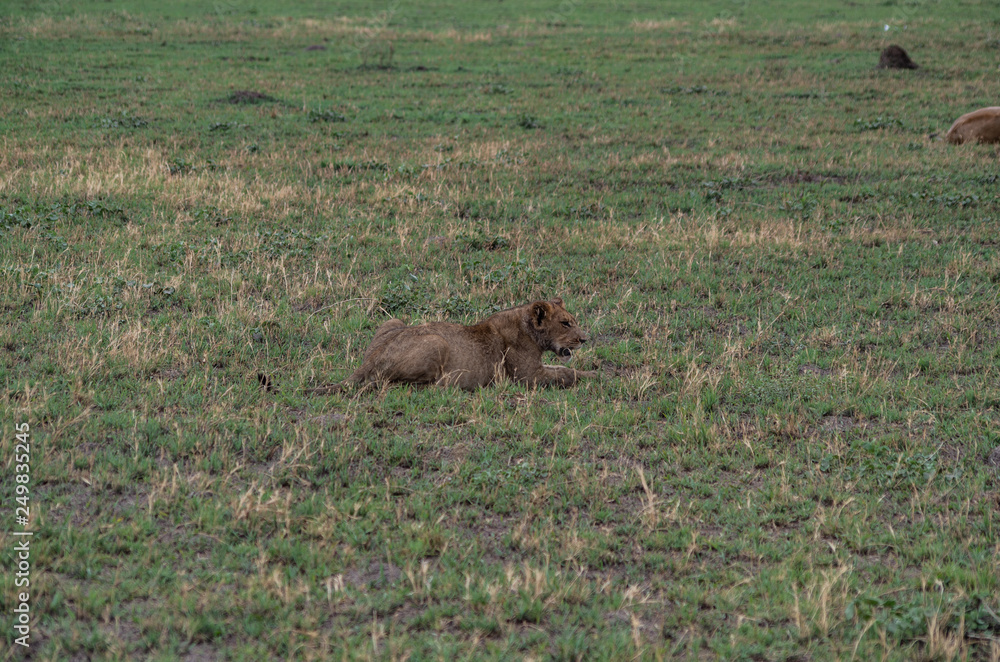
x=790, y=282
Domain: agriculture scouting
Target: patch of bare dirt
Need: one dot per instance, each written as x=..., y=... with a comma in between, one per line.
x=489, y=532
x=123, y=630
x=450, y=456
x=201, y=653
x=169, y=374
x=648, y=628
x=949, y=453
x=376, y=575
x=993, y=459
x=331, y=419
x=839, y=424
x=78, y=504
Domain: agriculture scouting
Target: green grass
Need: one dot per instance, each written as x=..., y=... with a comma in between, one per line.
x=790, y=286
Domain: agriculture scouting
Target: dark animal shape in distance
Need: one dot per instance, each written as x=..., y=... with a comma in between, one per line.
x=508, y=344
x=894, y=57
x=981, y=125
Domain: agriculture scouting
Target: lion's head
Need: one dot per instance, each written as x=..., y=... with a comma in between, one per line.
x=554, y=328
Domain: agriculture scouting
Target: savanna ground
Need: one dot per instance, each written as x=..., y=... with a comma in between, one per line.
x=790, y=283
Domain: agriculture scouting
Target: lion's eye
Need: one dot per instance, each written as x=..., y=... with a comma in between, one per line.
x=567, y=324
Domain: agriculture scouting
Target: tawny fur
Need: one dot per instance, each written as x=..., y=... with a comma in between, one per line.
x=981, y=125
x=509, y=343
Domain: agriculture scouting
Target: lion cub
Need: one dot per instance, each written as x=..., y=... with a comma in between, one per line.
x=509, y=343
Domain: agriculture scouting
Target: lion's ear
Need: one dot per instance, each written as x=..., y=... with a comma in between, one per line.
x=539, y=310
x=556, y=302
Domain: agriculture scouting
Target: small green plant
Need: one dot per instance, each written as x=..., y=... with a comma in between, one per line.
x=224, y=127
x=802, y=206
x=211, y=214
x=404, y=295
x=478, y=241
x=180, y=166
x=456, y=306
x=124, y=120
x=325, y=115
x=526, y=121
x=878, y=124
x=967, y=200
